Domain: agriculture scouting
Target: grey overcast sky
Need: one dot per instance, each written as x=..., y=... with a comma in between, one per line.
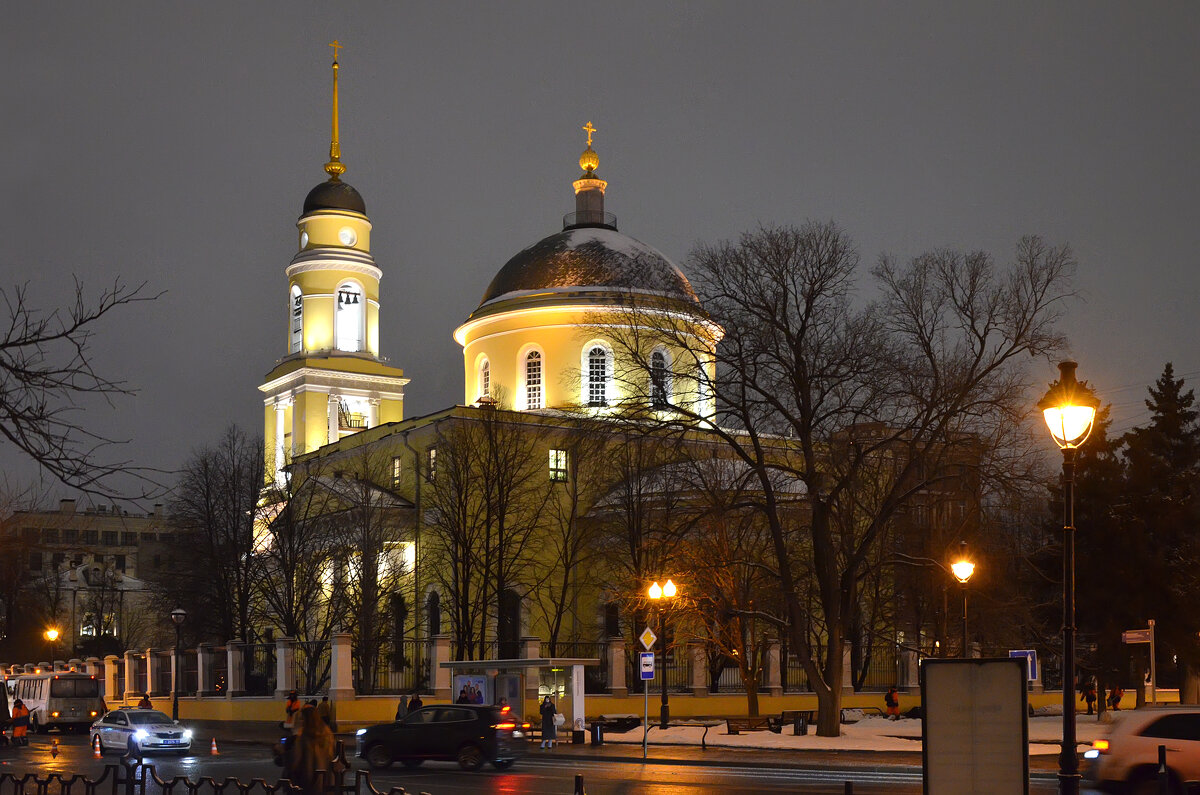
x=175, y=142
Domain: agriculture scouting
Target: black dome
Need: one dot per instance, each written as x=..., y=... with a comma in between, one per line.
x=590, y=258
x=331, y=195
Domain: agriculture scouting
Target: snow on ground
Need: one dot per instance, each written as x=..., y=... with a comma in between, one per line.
x=872, y=733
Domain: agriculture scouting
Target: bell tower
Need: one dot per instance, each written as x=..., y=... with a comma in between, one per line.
x=332, y=382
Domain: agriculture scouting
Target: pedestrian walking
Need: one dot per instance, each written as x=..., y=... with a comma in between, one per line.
x=1089, y=695
x=891, y=700
x=549, y=728
x=20, y=721
x=1114, y=698
x=415, y=703
x=327, y=714
x=308, y=752
x=402, y=709
x=291, y=707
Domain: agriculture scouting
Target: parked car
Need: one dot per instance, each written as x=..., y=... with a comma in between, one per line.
x=1127, y=760
x=466, y=733
x=140, y=730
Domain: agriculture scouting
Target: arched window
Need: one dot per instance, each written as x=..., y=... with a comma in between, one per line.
x=433, y=613
x=660, y=380
x=533, y=380
x=348, y=318
x=485, y=378
x=597, y=376
x=297, y=311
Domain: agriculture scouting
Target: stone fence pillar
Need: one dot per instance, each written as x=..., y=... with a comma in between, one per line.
x=773, y=681
x=285, y=666
x=616, y=666
x=699, y=660
x=110, y=680
x=441, y=676
x=910, y=681
x=341, y=681
x=131, y=677
x=75, y=665
x=204, y=670
x=235, y=668
x=847, y=670
x=531, y=647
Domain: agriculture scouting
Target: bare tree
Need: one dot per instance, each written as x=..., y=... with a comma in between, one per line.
x=935, y=363
x=47, y=380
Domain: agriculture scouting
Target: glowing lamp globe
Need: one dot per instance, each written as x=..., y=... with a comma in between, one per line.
x=1069, y=409
x=656, y=591
x=51, y=634
x=963, y=569
x=669, y=590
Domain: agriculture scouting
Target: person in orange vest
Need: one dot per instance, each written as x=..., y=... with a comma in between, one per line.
x=20, y=719
x=290, y=708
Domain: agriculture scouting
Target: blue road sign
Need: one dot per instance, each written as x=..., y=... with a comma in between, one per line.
x=1030, y=656
x=647, y=664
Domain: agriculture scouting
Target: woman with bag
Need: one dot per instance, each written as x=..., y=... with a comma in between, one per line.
x=549, y=727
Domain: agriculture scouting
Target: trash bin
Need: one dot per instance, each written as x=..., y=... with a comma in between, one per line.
x=578, y=737
x=597, y=733
x=800, y=725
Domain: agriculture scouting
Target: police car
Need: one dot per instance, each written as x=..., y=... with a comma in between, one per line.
x=140, y=730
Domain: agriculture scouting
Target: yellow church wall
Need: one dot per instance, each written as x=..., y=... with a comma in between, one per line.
x=312, y=414
x=323, y=228
x=391, y=411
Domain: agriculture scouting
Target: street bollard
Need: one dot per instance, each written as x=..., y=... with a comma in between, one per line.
x=579, y=784
x=1164, y=779
x=849, y=788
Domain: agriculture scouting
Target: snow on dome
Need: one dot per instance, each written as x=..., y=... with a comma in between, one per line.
x=589, y=259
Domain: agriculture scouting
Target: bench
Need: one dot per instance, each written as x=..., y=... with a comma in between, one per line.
x=761, y=723
x=619, y=724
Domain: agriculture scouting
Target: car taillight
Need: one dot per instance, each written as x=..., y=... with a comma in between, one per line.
x=1101, y=746
x=508, y=726
x=54, y=714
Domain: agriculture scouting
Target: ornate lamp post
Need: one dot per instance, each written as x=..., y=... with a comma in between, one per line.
x=962, y=569
x=178, y=615
x=1070, y=411
x=660, y=595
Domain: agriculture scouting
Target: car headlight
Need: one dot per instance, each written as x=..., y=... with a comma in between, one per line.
x=360, y=732
x=140, y=734
x=1091, y=753
x=187, y=734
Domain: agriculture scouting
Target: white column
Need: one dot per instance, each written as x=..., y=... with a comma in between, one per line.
x=774, y=677
x=333, y=416
x=847, y=670
x=235, y=668
x=285, y=666
x=441, y=676
x=131, y=683
x=616, y=666
x=111, y=696
x=372, y=412
x=341, y=682
x=204, y=670
x=280, y=453
x=699, y=683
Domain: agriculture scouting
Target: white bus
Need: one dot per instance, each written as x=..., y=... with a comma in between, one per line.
x=64, y=700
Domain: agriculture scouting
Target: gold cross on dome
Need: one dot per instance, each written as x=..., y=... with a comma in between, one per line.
x=589, y=129
x=336, y=45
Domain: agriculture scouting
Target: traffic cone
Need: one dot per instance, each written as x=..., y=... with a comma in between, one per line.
x=54, y=748
x=96, y=752
x=213, y=751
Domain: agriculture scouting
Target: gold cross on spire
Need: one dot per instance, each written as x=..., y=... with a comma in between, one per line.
x=589, y=129
x=336, y=45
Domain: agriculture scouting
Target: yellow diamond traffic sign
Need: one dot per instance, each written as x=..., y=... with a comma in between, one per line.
x=647, y=638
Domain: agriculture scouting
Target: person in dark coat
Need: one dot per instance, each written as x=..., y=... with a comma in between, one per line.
x=415, y=703
x=1089, y=695
x=549, y=729
x=308, y=762
x=402, y=709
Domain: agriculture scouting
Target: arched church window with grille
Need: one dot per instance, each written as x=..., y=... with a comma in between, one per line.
x=597, y=376
x=349, y=317
x=660, y=379
x=533, y=380
x=297, y=314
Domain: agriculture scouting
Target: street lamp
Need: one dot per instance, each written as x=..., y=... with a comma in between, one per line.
x=962, y=569
x=1070, y=411
x=658, y=594
x=51, y=635
x=178, y=615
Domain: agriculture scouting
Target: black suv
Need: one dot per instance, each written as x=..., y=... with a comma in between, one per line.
x=466, y=733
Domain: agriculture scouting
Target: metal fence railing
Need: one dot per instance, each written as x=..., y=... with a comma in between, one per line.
x=677, y=672
x=595, y=677
x=258, y=662
x=162, y=674
x=313, y=660
x=403, y=668
x=188, y=664
x=795, y=678
x=220, y=672
x=882, y=669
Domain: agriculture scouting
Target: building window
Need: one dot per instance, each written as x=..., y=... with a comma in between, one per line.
x=396, y=471
x=597, y=377
x=57, y=560
x=91, y=536
x=109, y=538
x=148, y=538
x=50, y=535
x=533, y=380
x=348, y=318
x=558, y=466
x=297, y=319
x=660, y=385
x=129, y=539
x=431, y=469
x=30, y=533
x=119, y=562
x=70, y=536
x=485, y=379
x=35, y=561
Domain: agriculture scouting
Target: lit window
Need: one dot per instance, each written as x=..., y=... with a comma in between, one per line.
x=485, y=379
x=431, y=473
x=660, y=386
x=396, y=470
x=348, y=321
x=297, y=319
x=597, y=377
x=533, y=380
x=558, y=466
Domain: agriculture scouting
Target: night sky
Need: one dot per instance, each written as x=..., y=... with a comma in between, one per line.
x=174, y=143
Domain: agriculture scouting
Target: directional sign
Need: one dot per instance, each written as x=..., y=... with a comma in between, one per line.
x=647, y=638
x=1030, y=656
x=647, y=664
x=1135, y=636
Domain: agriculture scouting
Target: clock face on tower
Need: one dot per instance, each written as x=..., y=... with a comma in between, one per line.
x=348, y=236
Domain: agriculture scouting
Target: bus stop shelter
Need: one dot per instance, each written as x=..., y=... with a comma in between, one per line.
x=572, y=666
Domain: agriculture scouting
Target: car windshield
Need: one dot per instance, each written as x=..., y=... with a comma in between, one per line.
x=74, y=688
x=147, y=717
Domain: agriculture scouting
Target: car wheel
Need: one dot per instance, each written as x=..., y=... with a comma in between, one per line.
x=378, y=757
x=411, y=763
x=503, y=764
x=470, y=757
